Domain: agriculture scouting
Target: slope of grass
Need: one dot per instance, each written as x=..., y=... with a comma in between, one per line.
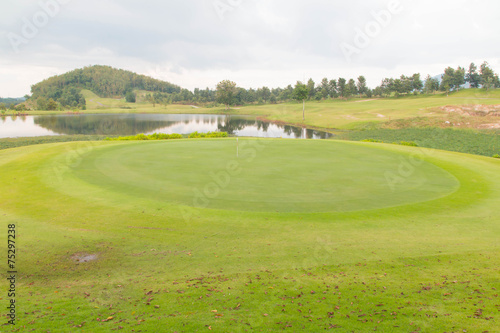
x=428, y=266
x=485, y=143
x=28, y=141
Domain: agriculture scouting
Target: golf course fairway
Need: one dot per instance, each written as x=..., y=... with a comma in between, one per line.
x=252, y=236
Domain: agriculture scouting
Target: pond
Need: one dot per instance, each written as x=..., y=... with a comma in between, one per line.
x=132, y=124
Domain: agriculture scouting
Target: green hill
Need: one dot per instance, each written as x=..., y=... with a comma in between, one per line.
x=104, y=81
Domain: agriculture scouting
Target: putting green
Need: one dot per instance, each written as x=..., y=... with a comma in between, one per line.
x=155, y=261
x=267, y=175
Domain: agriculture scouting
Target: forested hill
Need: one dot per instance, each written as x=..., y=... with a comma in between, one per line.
x=104, y=81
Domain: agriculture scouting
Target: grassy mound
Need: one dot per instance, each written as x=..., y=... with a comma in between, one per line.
x=99, y=258
x=268, y=175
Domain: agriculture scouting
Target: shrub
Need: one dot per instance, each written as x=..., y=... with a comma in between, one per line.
x=197, y=135
x=408, y=143
x=496, y=156
x=372, y=140
x=143, y=137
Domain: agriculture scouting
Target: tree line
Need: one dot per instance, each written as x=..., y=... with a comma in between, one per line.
x=64, y=91
x=451, y=80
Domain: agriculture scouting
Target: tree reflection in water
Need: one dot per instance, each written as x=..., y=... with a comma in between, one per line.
x=132, y=124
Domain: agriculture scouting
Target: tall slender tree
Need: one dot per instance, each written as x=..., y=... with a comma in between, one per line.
x=473, y=76
x=487, y=76
x=342, y=87
x=361, y=85
x=300, y=93
x=459, y=78
x=333, y=88
x=311, y=86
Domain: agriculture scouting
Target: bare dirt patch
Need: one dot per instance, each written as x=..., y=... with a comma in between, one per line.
x=473, y=110
x=84, y=257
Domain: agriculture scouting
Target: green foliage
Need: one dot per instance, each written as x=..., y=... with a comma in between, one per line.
x=484, y=143
x=300, y=92
x=130, y=97
x=196, y=135
x=21, y=142
x=162, y=136
x=226, y=91
x=496, y=156
x=371, y=140
x=104, y=81
x=144, y=137
x=6, y=103
x=51, y=105
x=408, y=143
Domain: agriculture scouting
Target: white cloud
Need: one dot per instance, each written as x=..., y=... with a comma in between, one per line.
x=257, y=42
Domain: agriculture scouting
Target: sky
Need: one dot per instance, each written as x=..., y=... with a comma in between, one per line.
x=273, y=43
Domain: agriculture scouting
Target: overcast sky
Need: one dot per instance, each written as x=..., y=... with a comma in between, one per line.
x=197, y=43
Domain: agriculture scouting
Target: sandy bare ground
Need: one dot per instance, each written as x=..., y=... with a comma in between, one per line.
x=473, y=110
x=366, y=100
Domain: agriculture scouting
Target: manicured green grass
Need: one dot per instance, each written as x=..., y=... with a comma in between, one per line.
x=316, y=177
x=429, y=266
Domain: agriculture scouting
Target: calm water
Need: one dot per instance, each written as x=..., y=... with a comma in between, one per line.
x=132, y=124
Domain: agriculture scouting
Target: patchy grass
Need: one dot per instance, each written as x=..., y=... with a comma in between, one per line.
x=486, y=143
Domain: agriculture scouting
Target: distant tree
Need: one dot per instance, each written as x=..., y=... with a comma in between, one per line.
x=300, y=93
x=351, y=88
x=266, y=94
x=325, y=88
x=487, y=76
x=386, y=86
x=251, y=95
x=473, y=76
x=226, y=91
x=130, y=97
x=51, y=105
x=378, y=91
x=22, y=107
x=41, y=103
x=417, y=82
x=431, y=85
x=150, y=98
x=361, y=85
x=311, y=86
x=459, y=78
x=448, y=80
x=333, y=88
x=342, y=87
x=318, y=96
x=403, y=85
x=397, y=86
